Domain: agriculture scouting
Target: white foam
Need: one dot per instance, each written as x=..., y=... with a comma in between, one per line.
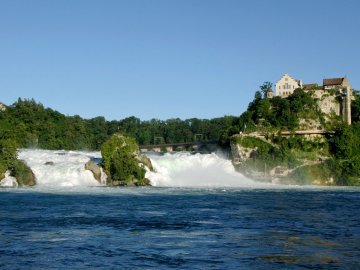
x=8, y=181
x=196, y=170
x=183, y=170
x=67, y=169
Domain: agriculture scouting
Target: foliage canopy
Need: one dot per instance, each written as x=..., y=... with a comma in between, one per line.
x=119, y=158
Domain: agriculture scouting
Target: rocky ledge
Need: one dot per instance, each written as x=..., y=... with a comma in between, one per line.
x=19, y=174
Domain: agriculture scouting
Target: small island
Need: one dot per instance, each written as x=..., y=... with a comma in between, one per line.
x=123, y=163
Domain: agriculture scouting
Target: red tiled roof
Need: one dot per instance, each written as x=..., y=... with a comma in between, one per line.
x=333, y=81
x=310, y=86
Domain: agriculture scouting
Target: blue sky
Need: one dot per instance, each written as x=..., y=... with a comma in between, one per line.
x=169, y=58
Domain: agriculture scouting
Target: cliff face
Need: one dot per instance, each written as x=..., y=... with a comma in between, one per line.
x=272, y=162
x=240, y=153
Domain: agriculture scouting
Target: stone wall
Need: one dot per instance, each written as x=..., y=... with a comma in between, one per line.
x=327, y=102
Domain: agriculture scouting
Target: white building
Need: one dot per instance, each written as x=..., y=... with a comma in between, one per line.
x=286, y=85
x=338, y=101
x=2, y=107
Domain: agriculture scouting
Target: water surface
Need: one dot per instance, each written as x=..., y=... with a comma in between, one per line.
x=180, y=228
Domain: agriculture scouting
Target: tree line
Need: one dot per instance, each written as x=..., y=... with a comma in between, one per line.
x=29, y=124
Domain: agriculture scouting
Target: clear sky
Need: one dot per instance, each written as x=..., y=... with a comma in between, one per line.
x=169, y=58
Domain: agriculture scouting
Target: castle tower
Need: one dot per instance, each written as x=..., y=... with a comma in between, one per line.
x=343, y=89
x=269, y=93
x=346, y=104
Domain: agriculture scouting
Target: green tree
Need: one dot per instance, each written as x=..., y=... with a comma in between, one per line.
x=265, y=87
x=345, y=148
x=119, y=158
x=355, y=107
x=8, y=152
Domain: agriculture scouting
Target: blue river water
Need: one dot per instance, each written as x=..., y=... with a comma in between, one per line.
x=180, y=228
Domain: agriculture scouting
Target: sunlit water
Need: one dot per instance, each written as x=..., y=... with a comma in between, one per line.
x=247, y=226
x=55, y=169
x=197, y=170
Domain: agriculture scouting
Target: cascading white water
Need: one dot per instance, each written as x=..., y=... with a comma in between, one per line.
x=196, y=170
x=67, y=169
x=60, y=168
x=8, y=181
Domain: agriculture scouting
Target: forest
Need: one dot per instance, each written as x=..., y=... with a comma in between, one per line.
x=29, y=124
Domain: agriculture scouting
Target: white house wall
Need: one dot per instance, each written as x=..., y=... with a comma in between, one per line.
x=286, y=86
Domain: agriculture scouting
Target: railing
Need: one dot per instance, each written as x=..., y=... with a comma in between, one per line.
x=185, y=144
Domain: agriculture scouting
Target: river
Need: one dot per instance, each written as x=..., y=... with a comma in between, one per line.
x=187, y=221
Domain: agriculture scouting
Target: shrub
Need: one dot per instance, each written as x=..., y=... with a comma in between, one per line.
x=125, y=167
x=3, y=169
x=307, y=175
x=23, y=174
x=119, y=158
x=8, y=151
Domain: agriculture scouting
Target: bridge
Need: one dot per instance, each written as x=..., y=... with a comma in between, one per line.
x=197, y=146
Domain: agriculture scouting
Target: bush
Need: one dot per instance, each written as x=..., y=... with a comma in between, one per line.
x=3, y=169
x=23, y=174
x=125, y=167
x=345, y=150
x=119, y=155
x=8, y=155
x=310, y=174
x=8, y=152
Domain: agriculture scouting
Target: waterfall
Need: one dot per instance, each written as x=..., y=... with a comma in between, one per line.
x=8, y=181
x=196, y=170
x=66, y=169
x=61, y=168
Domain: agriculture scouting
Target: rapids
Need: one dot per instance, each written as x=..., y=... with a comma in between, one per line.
x=66, y=169
x=60, y=168
x=196, y=170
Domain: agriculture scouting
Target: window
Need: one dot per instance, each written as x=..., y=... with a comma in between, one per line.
x=286, y=79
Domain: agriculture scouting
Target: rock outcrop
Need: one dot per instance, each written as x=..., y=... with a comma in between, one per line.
x=145, y=161
x=240, y=153
x=23, y=174
x=95, y=169
x=131, y=183
x=264, y=161
x=49, y=163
